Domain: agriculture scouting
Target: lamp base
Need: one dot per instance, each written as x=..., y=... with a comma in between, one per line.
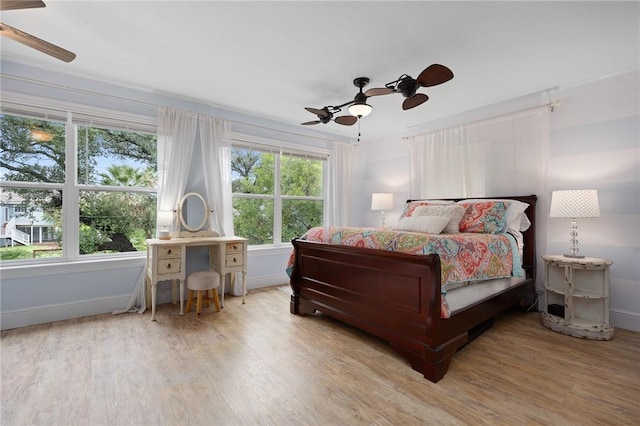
x=574, y=256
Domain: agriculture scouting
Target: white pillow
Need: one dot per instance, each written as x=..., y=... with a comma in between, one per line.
x=424, y=224
x=453, y=211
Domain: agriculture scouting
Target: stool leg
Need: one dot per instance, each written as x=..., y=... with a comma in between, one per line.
x=199, y=303
x=189, y=300
x=216, y=300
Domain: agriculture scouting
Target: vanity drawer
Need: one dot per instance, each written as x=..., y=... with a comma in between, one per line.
x=168, y=266
x=168, y=251
x=232, y=260
x=237, y=246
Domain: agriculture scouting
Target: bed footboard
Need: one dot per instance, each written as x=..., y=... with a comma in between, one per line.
x=392, y=295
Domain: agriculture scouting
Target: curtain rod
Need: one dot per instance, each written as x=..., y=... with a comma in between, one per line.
x=155, y=105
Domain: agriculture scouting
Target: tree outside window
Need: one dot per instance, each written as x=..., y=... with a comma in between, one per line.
x=113, y=186
x=276, y=195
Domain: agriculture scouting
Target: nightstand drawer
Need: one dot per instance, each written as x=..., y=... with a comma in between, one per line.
x=232, y=260
x=168, y=266
x=235, y=247
x=168, y=251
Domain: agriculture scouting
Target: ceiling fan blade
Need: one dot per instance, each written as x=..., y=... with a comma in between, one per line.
x=20, y=4
x=414, y=101
x=36, y=43
x=379, y=91
x=434, y=74
x=346, y=120
x=311, y=122
x=316, y=111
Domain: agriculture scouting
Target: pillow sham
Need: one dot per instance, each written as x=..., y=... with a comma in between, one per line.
x=488, y=217
x=423, y=224
x=517, y=220
x=410, y=206
x=453, y=211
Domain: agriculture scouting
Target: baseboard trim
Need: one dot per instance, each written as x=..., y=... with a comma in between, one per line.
x=83, y=308
x=625, y=320
x=61, y=311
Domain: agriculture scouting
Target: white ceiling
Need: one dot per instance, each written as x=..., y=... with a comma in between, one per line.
x=272, y=59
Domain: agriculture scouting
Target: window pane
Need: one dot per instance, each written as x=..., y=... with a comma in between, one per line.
x=298, y=216
x=116, y=158
x=252, y=171
x=301, y=176
x=31, y=223
x=31, y=150
x=253, y=219
x=112, y=222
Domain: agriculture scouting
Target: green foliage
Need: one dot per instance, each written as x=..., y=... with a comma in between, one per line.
x=17, y=252
x=298, y=216
x=300, y=178
x=253, y=219
x=90, y=239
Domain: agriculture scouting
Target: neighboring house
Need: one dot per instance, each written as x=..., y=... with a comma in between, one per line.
x=20, y=225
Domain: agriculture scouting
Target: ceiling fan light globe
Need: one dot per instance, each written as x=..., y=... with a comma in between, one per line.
x=360, y=110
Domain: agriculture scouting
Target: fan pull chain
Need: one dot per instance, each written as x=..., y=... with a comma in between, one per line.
x=358, y=129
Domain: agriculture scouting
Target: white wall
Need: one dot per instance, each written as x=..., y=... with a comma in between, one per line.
x=594, y=143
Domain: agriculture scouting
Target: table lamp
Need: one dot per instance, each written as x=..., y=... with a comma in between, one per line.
x=381, y=201
x=165, y=223
x=574, y=204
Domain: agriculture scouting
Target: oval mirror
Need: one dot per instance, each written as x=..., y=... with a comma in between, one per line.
x=193, y=212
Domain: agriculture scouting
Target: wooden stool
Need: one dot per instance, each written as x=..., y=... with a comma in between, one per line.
x=202, y=282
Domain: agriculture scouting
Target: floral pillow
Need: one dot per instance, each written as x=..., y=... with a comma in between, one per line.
x=487, y=218
x=453, y=211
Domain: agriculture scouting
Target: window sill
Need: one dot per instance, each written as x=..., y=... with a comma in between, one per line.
x=70, y=267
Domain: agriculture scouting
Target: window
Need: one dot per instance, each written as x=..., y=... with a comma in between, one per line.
x=86, y=182
x=278, y=194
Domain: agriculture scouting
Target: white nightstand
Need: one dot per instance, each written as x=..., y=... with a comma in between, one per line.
x=576, y=296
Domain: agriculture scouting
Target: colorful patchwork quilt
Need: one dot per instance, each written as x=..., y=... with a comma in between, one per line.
x=464, y=258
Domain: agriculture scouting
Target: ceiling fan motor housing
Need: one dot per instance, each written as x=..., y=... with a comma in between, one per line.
x=408, y=87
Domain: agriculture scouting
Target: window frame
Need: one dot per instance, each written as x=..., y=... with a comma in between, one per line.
x=76, y=115
x=279, y=148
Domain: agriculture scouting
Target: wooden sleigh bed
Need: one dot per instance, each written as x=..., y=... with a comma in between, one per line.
x=398, y=296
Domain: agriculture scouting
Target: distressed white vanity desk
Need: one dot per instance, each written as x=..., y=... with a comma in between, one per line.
x=166, y=260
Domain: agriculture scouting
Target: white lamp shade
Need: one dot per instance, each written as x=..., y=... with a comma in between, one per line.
x=575, y=203
x=360, y=110
x=381, y=201
x=165, y=218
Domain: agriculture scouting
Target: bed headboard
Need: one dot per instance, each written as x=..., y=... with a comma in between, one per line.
x=529, y=258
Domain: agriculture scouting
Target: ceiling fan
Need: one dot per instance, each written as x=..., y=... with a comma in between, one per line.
x=358, y=107
x=405, y=84
x=325, y=115
x=28, y=39
x=431, y=76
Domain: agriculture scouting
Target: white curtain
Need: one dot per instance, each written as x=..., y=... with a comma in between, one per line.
x=501, y=156
x=506, y=155
x=175, y=140
x=176, y=137
x=216, y=161
x=339, y=185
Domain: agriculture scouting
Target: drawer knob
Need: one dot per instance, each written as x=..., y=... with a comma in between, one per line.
x=168, y=266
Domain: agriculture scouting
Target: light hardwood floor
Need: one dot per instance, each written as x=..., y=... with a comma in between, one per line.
x=257, y=364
